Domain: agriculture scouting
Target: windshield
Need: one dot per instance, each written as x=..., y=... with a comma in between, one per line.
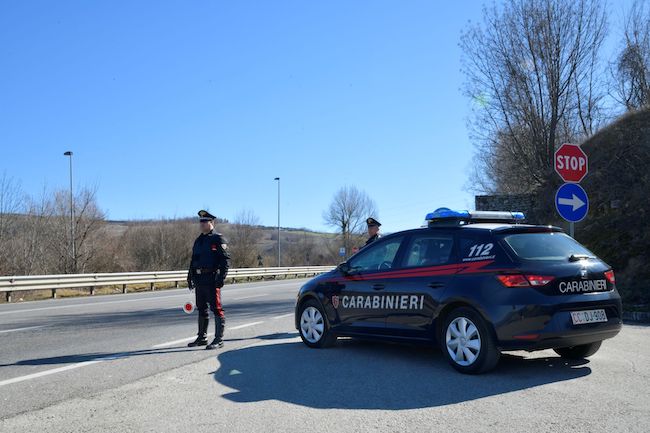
x=546, y=246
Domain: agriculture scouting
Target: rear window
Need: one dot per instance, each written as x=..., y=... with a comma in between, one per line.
x=545, y=246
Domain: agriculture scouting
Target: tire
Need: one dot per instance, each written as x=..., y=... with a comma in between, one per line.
x=313, y=327
x=578, y=352
x=468, y=342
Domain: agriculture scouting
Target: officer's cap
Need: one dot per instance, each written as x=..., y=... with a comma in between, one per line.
x=372, y=222
x=204, y=215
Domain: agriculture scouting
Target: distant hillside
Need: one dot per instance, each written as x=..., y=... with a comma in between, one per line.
x=299, y=246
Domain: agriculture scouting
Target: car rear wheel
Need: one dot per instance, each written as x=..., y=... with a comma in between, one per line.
x=468, y=343
x=314, y=330
x=578, y=352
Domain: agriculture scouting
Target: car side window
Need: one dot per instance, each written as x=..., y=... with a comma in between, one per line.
x=430, y=249
x=377, y=256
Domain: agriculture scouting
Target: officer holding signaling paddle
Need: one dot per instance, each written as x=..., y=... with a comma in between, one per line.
x=207, y=273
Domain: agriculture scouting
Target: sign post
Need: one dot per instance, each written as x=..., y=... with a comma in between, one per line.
x=571, y=201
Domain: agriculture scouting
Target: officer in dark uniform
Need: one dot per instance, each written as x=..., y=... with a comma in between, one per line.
x=373, y=230
x=208, y=270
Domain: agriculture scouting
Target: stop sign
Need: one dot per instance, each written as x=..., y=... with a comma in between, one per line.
x=571, y=163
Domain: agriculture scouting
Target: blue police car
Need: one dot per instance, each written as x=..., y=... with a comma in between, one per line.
x=477, y=283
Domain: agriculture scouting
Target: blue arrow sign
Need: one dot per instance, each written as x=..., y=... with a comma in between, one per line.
x=571, y=202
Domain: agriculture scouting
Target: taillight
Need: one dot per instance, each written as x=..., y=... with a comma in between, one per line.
x=513, y=280
x=610, y=277
x=519, y=280
x=539, y=280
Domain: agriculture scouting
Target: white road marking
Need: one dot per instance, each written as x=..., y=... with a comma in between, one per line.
x=22, y=329
x=49, y=372
x=283, y=316
x=92, y=304
x=249, y=297
x=175, y=342
x=188, y=339
x=61, y=369
x=245, y=325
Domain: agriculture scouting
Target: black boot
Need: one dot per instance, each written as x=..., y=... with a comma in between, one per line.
x=219, y=325
x=202, y=338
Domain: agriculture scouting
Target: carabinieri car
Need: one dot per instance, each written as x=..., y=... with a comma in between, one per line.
x=477, y=283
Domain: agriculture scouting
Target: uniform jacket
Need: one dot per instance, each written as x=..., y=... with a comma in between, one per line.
x=210, y=251
x=371, y=239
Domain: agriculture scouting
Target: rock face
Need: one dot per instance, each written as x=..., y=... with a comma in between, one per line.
x=617, y=227
x=618, y=184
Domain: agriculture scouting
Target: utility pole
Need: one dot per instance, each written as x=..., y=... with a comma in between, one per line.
x=72, y=243
x=278, y=179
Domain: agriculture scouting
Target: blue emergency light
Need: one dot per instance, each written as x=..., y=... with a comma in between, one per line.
x=445, y=215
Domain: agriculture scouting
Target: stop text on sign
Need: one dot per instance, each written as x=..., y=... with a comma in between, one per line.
x=566, y=162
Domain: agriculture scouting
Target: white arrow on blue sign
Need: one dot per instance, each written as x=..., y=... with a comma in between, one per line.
x=571, y=202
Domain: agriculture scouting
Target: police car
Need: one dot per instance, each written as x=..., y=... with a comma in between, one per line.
x=477, y=283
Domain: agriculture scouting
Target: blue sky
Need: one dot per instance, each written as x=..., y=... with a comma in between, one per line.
x=170, y=107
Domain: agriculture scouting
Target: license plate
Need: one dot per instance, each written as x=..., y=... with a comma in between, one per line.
x=588, y=316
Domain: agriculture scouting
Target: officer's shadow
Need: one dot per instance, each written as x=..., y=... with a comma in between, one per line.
x=366, y=375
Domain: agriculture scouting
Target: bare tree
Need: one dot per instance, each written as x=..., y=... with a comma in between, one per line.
x=160, y=245
x=33, y=254
x=244, y=237
x=348, y=212
x=632, y=71
x=88, y=219
x=11, y=203
x=532, y=71
x=302, y=251
x=36, y=231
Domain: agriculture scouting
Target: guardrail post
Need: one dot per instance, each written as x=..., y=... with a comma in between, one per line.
x=8, y=296
x=176, y=284
x=123, y=288
x=53, y=293
x=152, y=286
x=92, y=290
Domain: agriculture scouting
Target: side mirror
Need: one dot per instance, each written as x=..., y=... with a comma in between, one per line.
x=344, y=268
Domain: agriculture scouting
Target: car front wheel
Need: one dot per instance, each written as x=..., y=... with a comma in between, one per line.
x=314, y=330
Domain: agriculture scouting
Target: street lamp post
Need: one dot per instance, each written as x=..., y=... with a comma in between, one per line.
x=278, y=179
x=72, y=243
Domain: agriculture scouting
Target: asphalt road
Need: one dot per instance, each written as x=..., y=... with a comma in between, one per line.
x=119, y=364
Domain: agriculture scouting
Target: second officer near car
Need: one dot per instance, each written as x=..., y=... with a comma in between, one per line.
x=207, y=273
x=373, y=230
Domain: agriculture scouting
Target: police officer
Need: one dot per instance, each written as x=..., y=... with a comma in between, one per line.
x=207, y=273
x=373, y=230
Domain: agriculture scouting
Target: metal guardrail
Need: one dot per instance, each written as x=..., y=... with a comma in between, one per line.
x=11, y=284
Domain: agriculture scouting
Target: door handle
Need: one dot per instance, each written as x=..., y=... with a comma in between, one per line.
x=378, y=287
x=436, y=285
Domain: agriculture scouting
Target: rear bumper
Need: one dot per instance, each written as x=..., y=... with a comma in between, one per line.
x=537, y=327
x=563, y=339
